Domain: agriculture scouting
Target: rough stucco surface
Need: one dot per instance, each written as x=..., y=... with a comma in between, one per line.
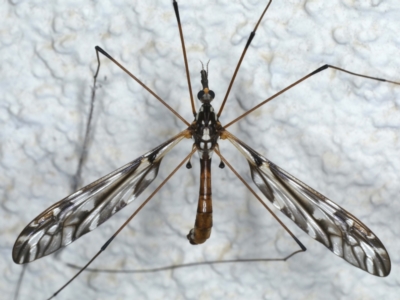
x=338, y=133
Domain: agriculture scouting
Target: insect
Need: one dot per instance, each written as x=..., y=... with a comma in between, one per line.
x=211, y=71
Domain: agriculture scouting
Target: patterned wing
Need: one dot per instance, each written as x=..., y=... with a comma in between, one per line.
x=319, y=217
x=89, y=207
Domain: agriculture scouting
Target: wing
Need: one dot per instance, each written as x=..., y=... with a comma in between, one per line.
x=89, y=207
x=319, y=217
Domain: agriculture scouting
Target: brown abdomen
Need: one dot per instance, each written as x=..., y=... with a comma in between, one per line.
x=203, y=224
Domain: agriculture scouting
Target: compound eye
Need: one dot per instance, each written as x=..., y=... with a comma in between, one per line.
x=200, y=95
x=212, y=94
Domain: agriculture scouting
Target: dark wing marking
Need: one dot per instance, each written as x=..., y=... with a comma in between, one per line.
x=89, y=207
x=319, y=217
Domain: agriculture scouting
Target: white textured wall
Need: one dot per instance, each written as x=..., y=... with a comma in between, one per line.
x=338, y=133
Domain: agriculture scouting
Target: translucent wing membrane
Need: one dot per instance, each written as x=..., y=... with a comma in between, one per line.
x=89, y=207
x=319, y=217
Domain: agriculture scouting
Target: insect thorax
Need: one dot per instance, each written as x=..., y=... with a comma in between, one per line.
x=205, y=130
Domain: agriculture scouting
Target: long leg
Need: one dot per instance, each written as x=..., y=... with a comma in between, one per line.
x=188, y=265
x=252, y=34
x=301, y=80
x=176, y=9
x=98, y=49
x=126, y=223
x=261, y=201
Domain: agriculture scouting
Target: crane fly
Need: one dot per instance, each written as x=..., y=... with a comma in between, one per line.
x=86, y=209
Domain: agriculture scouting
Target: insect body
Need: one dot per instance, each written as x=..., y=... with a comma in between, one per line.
x=206, y=132
x=89, y=207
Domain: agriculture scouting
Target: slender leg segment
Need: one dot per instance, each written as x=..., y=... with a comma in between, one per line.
x=251, y=36
x=303, y=248
x=103, y=248
x=178, y=19
x=324, y=67
x=98, y=49
x=203, y=224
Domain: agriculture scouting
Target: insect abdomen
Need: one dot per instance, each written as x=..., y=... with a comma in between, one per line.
x=203, y=224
